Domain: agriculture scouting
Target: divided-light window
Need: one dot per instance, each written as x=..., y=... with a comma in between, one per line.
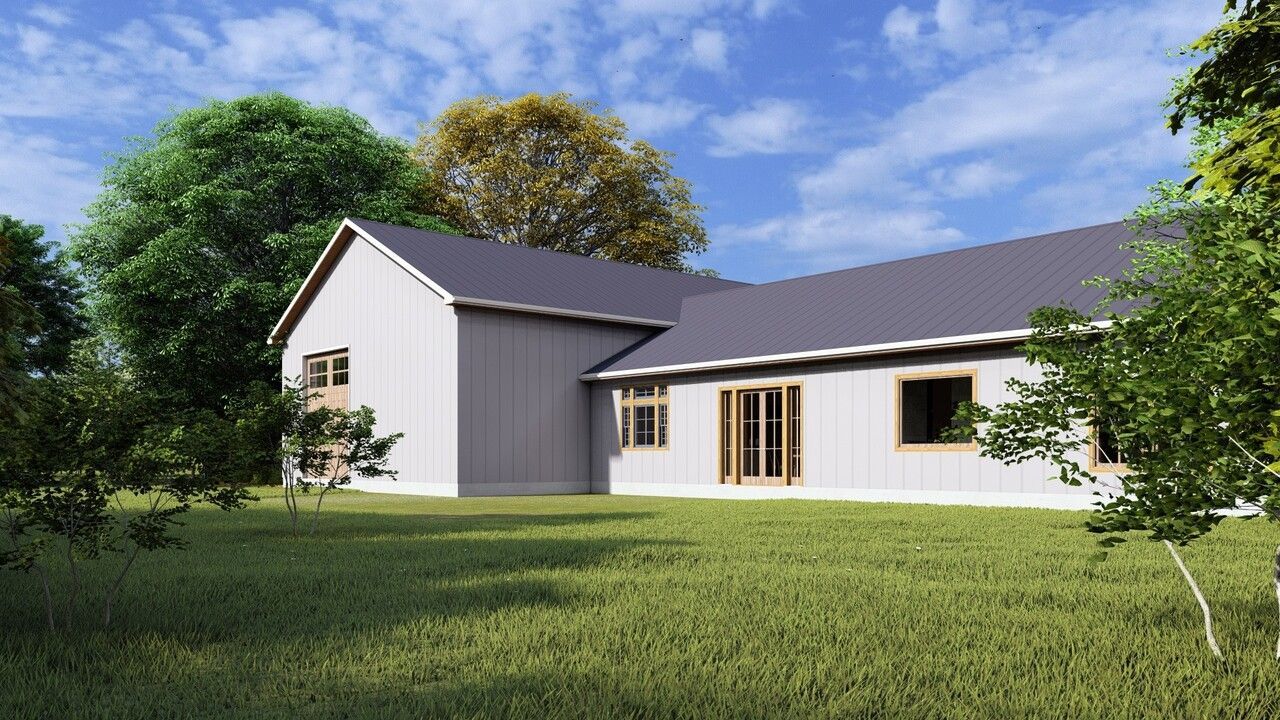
x=646, y=417
x=1105, y=454
x=927, y=405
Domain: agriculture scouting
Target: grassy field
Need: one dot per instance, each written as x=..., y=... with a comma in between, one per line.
x=597, y=606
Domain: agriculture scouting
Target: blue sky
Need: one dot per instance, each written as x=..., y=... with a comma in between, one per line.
x=817, y=135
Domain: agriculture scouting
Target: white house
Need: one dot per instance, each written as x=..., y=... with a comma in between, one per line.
x=513, y=370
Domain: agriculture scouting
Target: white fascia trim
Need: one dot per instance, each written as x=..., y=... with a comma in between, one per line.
x=435, y=287
x=332, y=248
x=560, y=312
x=297, y=296
x=829, y=353
x=1050, y=501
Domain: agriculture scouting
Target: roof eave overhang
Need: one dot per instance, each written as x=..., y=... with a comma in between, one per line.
x=349, y=229
x=559, y=312
x=893, y=348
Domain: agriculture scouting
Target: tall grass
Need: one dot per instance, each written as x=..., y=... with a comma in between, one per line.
x=597, y=606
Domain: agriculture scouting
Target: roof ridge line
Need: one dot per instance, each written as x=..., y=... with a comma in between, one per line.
x=921, y=257
x=556, y=252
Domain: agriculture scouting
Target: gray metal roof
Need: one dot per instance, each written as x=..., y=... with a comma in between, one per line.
x=971, y=291
x=514, y=274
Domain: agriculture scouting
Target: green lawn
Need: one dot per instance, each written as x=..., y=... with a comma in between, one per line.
x=595, y=606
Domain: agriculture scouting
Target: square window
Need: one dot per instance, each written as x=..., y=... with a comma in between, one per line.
x=928, y=407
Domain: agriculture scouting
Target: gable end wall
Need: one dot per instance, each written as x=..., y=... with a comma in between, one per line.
x=404, y=361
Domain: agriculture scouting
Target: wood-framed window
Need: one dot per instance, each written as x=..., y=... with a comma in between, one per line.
x=646, y=418
x=761, y=432
x=1105, y=455
x=328, y=377
x=925, y=406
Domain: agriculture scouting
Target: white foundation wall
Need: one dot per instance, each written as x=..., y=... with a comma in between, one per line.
x=848, y=439
x=403, y=344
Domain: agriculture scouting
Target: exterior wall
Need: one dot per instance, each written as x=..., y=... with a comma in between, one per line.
x=403, y=347
x=848, y=438
x=523, y=414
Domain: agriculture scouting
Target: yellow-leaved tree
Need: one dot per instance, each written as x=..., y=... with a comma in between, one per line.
x=550, y=172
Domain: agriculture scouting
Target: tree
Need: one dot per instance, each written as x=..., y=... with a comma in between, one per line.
x=1181, y=383
x=549, y=172
x=41, y=278
x=323, y=447
x=205, y=231
x=1184, y=381
x=91, y=473
x=1235, y=93
x=17, y=320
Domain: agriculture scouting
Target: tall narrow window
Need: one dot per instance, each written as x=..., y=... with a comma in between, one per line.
x=927, y=405
x=761, y=436
x=726, y=436
x=794, y=430
x=646, y=418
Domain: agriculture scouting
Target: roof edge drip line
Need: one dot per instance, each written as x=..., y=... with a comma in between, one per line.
x=829, y=354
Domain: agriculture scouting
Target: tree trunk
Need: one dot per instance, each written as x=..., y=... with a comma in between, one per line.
x=115, y=587
x=74, y=590
x=315, y=517
x=1204, y=604
x=48, y=596
x=1275, y=579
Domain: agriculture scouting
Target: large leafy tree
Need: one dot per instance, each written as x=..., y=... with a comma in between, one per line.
x=17, y=319
x=1235, y=94
x=40, y=276
x=550, y=172
x=1185, y=382
x=205, y=230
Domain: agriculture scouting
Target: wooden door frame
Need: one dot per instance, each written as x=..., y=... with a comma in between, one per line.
x=735, y=427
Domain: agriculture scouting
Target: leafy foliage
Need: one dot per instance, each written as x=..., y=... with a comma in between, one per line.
x=17, y=320
x=1183, y=380
x=42, y=279
x=324, y=447
x=91, y=439
x=1242, y=71
x=549, y=172
x=205, y=231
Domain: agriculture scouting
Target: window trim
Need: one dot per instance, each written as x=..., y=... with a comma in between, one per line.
x=725, y=477
x=898, y=379
x=327, y=355
x=1095, y=467
x=627, y=400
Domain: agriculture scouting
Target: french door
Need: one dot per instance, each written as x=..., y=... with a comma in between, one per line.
x=760, y=435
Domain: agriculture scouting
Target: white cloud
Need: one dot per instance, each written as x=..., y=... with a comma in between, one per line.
x=844, y=236
x=1013, y=123
x=34, y=42
x=710, y=49
x=647, y=119
x=980, y=178
x=955, y=29
x=768, y=126
x=41, y=181
x=49, y=15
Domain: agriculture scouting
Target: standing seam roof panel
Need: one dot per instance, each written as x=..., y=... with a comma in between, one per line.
x=978, y=290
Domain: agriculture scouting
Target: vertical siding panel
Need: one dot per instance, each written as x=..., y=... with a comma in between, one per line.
x=403, y=344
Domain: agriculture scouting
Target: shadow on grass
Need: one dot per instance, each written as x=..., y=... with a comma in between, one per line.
x=363, y=571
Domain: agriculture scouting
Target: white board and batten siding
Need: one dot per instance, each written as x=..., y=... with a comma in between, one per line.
x=523, y=413
x=402, y=340
x=848, y=438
